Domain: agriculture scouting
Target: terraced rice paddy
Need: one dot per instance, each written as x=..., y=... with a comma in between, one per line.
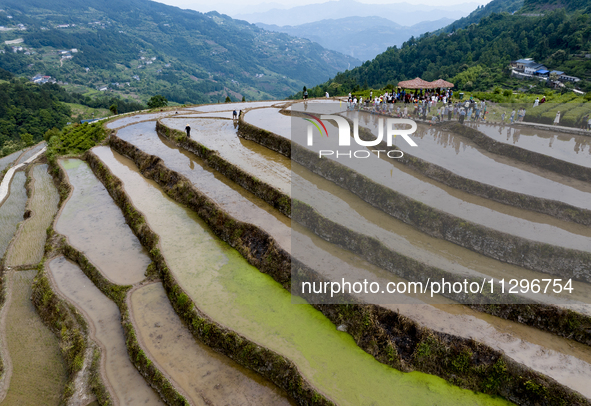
x=30, y=243
x=122, y=379
x=37, y=375
x=237, y=295
x=567, y=147
x=228, y=290
x=94, y=224
x=12, y=210
x=173, y=348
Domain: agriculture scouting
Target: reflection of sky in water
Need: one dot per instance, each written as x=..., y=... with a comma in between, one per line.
x=567, y=147
x=462, y=157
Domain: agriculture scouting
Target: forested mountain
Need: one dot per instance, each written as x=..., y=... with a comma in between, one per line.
x=360, y=37
x=508, y=6
x=477, y=57
x=140, y=48
x=28, y=110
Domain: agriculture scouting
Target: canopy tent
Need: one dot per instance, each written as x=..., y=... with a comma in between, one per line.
x=416, y=83
x=442, y=83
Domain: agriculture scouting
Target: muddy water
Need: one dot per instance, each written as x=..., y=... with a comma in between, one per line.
x=12, y=210
x=328, y=259
x=383, y=172
x=237, y=295
x=32, y=151
x=232, y=106
x=8, y=160
x=120, y=122
x=125, y=382
x=566, y=361
x=29, y=246
x=567, y=147
x=462, y=157
x=339, y=205
x=205, y=376
x=270, y=119
x=220, y=135
x=38, y=371
x=233, y=198
x=351, y=211
x=95, y=225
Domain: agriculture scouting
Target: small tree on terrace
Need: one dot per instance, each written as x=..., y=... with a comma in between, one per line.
x=157, y=101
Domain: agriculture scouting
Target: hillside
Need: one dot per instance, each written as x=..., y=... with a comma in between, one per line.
x=477, y=57
x=360, y=37
x=139, y=48
x=508, y=6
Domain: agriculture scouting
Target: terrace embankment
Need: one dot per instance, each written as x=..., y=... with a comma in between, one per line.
x=549, y=256
x=352, y=311
x=123, y=381
x=94, y=225
x=530, y=157
x=175, y=351
x=28, y=247
x=457, y=162
x=37, y=373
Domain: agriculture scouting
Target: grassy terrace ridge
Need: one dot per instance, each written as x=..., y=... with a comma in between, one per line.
x=532, y=255
x=563, y=322
x=373, y=328
x=117, y=294
x=270, y=365
x=560, y=210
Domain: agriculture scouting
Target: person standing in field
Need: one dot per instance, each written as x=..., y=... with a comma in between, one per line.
x=512, y=116
x=188, y=130
x=557, y=119
x=537, y=102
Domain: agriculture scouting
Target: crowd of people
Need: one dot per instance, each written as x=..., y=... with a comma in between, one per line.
x=433, y=105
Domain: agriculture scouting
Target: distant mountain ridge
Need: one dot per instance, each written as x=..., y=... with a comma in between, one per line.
x=406, y=14
x=477, y=57
x=360, y=37
x=141, y=47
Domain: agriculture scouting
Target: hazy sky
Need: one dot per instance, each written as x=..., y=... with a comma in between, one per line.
x=232, y=7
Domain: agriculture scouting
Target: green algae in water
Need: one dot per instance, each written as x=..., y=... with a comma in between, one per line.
x=95, y=225
x=29, y=246
x=12, y=210
x=38, y=371
x=238, y=296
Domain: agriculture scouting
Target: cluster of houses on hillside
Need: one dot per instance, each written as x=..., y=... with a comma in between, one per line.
x=528, y=68
x=40, y=79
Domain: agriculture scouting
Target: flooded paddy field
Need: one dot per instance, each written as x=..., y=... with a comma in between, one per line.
x=8, y=160
x=237, y=295
x=336, y=204
x=123, y=381
x=31, y=152
x=559, y=358
x=37, y=373
x=203, y=374
x=94, y=225
x=221, y=136
x=12, y=210
x=270, y=119
x=29, y=245
x=567, y=147
x=464, y=158
x=231, y=106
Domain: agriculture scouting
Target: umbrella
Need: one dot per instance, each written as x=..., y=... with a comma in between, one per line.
x=416, y=83
x=442, y=83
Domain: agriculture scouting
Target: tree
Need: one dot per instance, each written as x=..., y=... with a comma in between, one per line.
x=228, y=100
x=157, y=101
x=27, y=139
x=243, y=99
x=113, y=109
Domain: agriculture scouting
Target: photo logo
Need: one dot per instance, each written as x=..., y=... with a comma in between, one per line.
x=392, y=130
